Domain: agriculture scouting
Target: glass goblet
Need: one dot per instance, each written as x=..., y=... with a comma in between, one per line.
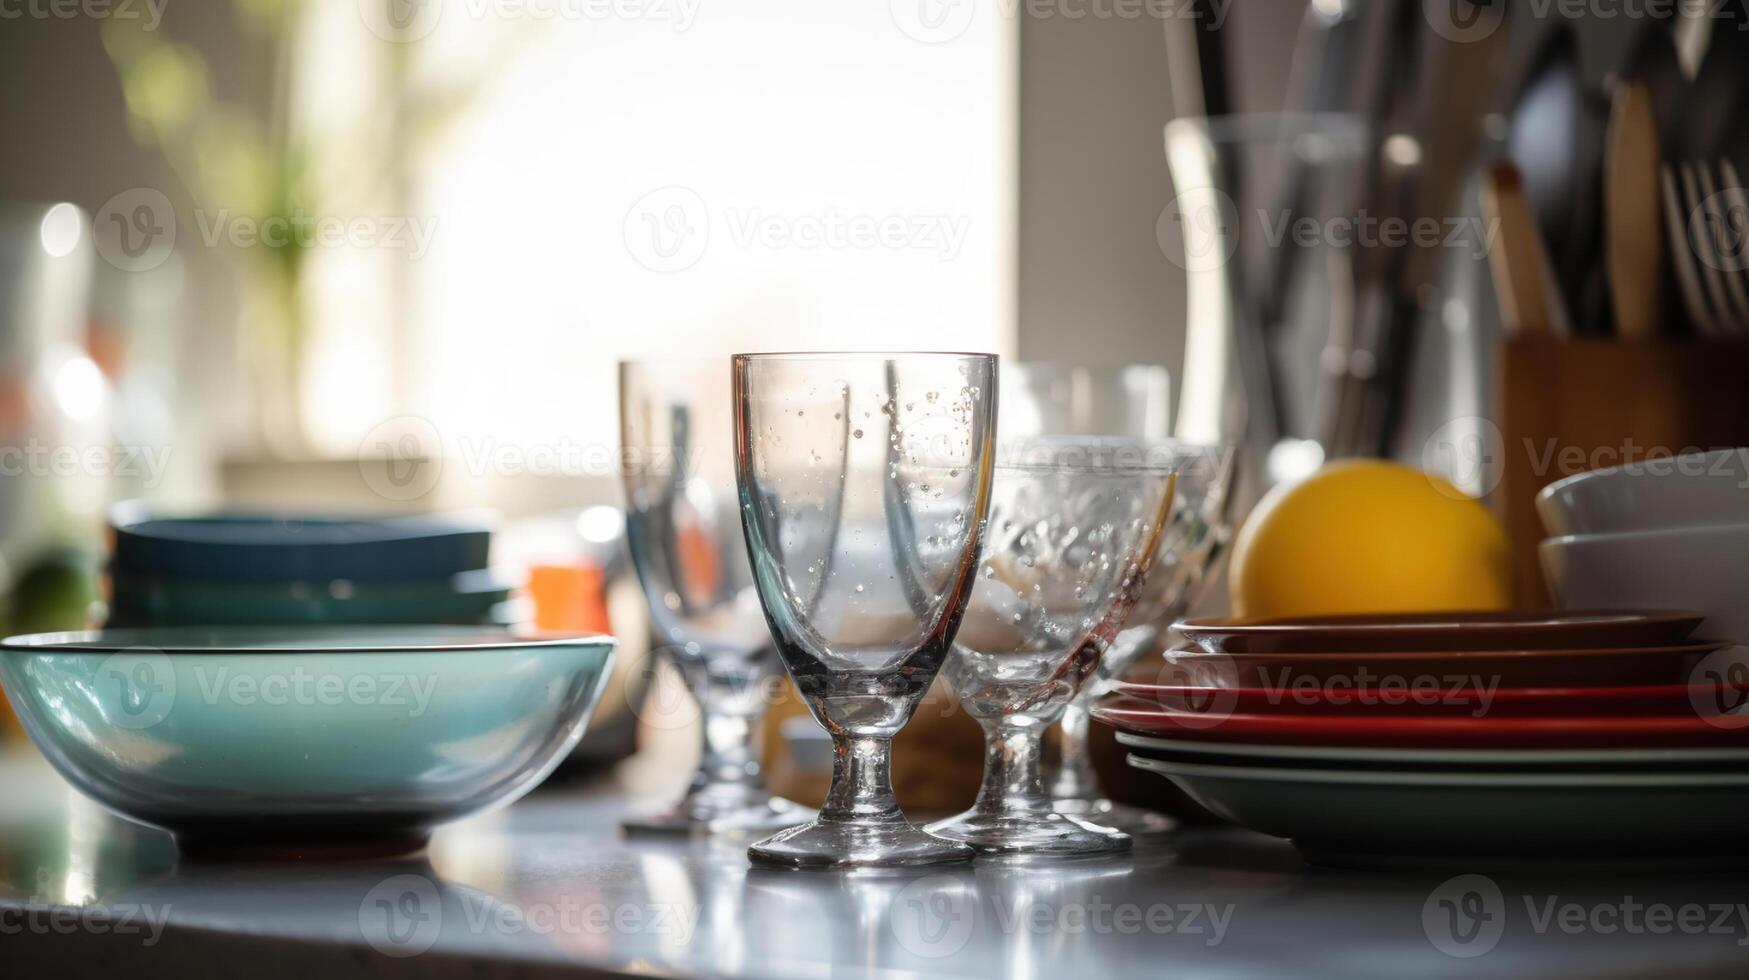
x=684, y=534
x=1070, y=535
x=1195, y=536
x=864, y=483
x=1045, y=399
x=1129, y=403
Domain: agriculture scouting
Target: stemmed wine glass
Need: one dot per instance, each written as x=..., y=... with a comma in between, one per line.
x=1072, y=530
x=864, y=483
x=1194, y=536
x=1131, y=403
x=684, y=534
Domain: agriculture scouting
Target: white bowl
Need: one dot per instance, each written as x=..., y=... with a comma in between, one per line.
x=1694, y=490
x=1701, y=568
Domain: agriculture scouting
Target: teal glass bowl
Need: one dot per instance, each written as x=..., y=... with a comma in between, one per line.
x=313, y=739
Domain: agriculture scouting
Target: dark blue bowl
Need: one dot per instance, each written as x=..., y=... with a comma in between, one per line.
x=290, y=548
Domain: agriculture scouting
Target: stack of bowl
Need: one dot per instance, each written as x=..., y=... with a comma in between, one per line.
x=243, y=570
x=274, y=687
x=1591, y=738
x=1666, y=532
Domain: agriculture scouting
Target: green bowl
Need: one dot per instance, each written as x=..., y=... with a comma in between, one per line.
x=339, y=737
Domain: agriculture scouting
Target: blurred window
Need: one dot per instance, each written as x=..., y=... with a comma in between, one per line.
x=658, y=177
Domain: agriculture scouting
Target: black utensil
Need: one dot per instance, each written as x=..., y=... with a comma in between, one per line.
x=1556, y=140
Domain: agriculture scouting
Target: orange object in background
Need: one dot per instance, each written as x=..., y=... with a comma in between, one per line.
x=569, y=597
x=700, y=565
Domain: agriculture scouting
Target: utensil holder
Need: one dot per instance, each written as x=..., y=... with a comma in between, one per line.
x=1567, y=406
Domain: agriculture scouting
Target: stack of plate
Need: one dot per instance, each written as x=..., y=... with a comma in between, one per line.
x=1593, y=738
x=240, y=570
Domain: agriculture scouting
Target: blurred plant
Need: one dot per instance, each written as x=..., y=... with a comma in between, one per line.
x=232, y=157
x=258, y=159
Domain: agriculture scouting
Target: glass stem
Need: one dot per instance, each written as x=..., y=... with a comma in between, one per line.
x=1076, y=778
x=862, y=781
x=727, y=757
x=729, y=707
x=1013, y=768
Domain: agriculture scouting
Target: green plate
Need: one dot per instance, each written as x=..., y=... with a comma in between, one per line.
x=1479, y=818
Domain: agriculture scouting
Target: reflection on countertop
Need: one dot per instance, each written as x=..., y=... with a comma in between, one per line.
x=549, y=887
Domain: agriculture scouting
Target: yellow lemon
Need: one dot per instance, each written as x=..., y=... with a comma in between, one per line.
x=1363, y=536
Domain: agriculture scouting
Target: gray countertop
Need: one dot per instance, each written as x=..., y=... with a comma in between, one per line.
x=548, y=887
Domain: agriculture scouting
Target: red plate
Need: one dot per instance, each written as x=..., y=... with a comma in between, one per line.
x=1628, y=666
x=1434, y=700
x=1444, y=631
x=1216, y=726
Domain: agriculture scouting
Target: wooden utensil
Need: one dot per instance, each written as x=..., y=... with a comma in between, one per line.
x=1633, y=248
x=1530, y=297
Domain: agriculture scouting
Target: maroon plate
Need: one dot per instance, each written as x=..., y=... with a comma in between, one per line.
x=1444, y=631
x=1625, y=667
x=1448, y=700
x=1683, y=731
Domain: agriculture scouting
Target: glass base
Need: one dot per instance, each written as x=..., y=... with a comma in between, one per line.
x=1029, y=832
x=722, y=810
x=824, y=845
x=1130, y=820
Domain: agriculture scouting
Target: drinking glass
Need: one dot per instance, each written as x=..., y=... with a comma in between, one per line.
x=1195, y=535
x=1072, y=530
x=864, y=482
x=1040, y=399
x=684, y=534
x=1130, y=404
